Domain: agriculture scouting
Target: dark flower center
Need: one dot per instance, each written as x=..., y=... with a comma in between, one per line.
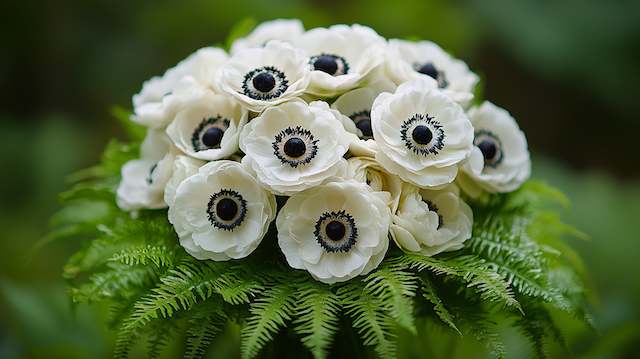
x=326, y=63
x=422, y=134
x=264, y=82
x=212, y=137
x=429, y=69
x=488, y=149
x=365, y=127
x=295, y=147
x=335, y=230
x=226, y=209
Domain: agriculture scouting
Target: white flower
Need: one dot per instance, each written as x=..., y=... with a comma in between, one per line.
x=341, y=57
x=369, y=171
x=286, y=30
x=157, y=102
x=144, y=179
x=183, y=167
x=431, y=221
x=335, y=231
x=499, y=160
x=208, y=127
x=295, y=146
x=356, y=106
x=422, y=135
x=261, y=77
x=408, y=60
x=221, y=212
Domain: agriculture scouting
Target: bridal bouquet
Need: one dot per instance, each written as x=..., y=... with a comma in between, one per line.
x=318, y=185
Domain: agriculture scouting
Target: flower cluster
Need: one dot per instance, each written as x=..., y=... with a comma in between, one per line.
x=362, y=140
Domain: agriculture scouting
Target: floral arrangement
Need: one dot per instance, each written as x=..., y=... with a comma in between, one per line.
x=318, y=183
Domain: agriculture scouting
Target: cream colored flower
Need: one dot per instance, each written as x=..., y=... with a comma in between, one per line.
x=422, y=135
x=295, y=146
x=407, y=60
x=431, y=221
x=208, y=127
x=221, y=212
x=266, y=76
x=286, y=30
x=500, y=159
x=356, y=106
x=183, y=167
x=341, y=57
x=157, y=102
x=369, y=171
x=335, y=231
x=144, y=179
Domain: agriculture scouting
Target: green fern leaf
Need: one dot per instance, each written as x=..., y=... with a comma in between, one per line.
x=373, y=325
x=396, y=289
x=429, y=293
x=317, y=318
x=267, y=315
x=201, y=332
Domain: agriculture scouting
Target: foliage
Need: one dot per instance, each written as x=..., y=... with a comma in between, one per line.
x=514, y=266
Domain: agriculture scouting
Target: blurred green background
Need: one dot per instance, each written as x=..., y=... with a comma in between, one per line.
x=567, y=70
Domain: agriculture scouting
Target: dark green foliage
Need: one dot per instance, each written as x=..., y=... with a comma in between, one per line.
x=515, y=267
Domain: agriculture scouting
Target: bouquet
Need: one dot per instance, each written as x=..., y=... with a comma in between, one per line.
x=313, y=186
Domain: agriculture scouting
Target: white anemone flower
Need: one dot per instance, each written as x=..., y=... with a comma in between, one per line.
x=266, y=76
x=144, y=179
x=335, y=231
x=295, y=146
x=369, y=171
x=431, y=221
x=422, y=134
x=208, y=127
x=221, y=212
x=157, y=102
x=500, y=159
x=341, y=57
x=356, y=106
x=286, y=30
x=183, y=167
x=408, y=60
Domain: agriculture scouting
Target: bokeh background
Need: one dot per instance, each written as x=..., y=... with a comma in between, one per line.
x=567, y=70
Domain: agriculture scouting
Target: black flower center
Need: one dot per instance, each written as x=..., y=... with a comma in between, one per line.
x=429, y=69
x=336, y=231
x=490, y=146
x=226, y=209
x=209, y=133
x=362, y=120
x=434, y=208
x=152, y=170
x=295, y=147
x=334, y=65
x=212, y=137
x=265, y=83
x=423, y=135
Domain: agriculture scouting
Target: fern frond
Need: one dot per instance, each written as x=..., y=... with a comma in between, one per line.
x=160, y=333
x=430, y=294
x=373, y=325
x=317, y=318
x=396, y=289
x=267, y=315
x=158, y=255
x=116, y=282
x=474, y=271
x=201, y=331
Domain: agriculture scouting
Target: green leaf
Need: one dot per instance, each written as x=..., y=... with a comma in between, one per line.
x=430, y=294
x=317, y=312
x=267, y=315
x=240, y=29
x=201, y=331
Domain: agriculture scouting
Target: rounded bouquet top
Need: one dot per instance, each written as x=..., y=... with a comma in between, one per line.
x=344, y=138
